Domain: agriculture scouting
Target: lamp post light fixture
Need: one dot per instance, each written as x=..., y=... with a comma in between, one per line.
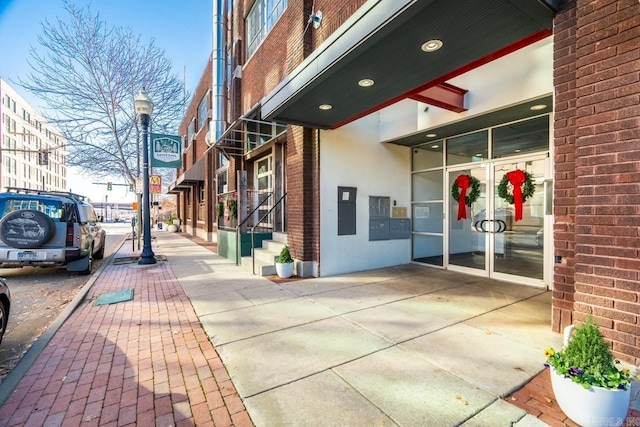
x=144, y=108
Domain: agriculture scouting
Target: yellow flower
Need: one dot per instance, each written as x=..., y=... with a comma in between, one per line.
x=638, y=377
x=549, y=352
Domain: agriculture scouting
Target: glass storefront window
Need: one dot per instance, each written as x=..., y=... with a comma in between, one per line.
x=427, y=217
x=469, y=148
x=427, y=249
x=427, y=156
x=521, y=137
x=427, y=185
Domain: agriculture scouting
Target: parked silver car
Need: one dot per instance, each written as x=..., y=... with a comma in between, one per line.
x=49, y=228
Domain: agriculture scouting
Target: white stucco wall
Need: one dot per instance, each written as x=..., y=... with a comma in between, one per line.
x=352, y=156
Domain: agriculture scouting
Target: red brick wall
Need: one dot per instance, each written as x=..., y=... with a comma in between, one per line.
x=195, y=150
x=607, y=170
x=303, y=193
x=283, y=49
x=564, y=76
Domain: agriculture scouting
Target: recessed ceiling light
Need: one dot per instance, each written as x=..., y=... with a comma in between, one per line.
x=325, y=107
x=366, y=83
x=478, y=154
x=538, y=107
x=431, y=45
x=517, y=151
x=435, y=146
x=431, y=135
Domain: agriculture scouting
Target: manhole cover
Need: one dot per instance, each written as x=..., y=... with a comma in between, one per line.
x=115, y=297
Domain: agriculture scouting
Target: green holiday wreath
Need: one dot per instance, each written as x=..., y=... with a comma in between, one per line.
x=471, y=196
x=528, y=188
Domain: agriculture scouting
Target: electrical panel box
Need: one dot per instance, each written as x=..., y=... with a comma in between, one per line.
x=346, y=211
x=400, y=228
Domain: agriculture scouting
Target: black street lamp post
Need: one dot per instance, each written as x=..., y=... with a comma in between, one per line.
x=144, y=108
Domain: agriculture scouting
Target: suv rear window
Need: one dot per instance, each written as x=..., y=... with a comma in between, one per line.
x=52, y=208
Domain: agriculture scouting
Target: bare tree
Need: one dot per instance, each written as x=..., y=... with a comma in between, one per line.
x=88, y=74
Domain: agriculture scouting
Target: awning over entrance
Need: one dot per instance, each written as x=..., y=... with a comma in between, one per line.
x=380, y=55
x=190, y=178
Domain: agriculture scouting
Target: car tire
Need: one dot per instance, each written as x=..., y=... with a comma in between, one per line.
x=100, y=253
x=3, y=320
x=25, y=229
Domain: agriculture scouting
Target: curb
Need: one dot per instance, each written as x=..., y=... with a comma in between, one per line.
x=10, y=382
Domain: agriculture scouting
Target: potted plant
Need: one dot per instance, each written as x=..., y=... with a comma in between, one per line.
x=588, y=387
x=284, y=263
x=171, y=226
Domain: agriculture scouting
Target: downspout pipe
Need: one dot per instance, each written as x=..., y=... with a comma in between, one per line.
x=218, y=60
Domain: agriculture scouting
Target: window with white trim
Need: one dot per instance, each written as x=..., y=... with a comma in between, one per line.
x=261, y=18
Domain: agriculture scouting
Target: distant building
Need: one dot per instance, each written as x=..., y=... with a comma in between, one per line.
x=33, y=152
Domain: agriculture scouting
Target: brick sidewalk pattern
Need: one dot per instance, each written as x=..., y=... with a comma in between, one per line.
x=142, y=362
x=537, y=398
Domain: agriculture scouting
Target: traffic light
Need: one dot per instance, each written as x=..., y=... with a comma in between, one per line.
x=131, y=188
x=109, y=186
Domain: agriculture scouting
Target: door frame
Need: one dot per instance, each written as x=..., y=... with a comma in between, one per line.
x=489, y=243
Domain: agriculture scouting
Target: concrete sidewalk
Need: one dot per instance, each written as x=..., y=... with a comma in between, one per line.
x=408, y=345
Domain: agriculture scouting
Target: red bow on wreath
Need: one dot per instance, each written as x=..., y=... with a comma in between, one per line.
x=517, y=178
x=464, y=183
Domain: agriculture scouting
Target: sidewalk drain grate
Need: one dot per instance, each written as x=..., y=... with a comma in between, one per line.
x=132, y=259
x=115, y=297
x=126, y=259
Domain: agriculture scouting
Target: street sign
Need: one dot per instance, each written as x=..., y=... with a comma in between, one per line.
x=155, y=184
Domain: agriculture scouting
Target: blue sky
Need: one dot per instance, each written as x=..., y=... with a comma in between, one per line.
x=181, y=28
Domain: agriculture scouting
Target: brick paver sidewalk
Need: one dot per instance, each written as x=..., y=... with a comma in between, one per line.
x=141, y=362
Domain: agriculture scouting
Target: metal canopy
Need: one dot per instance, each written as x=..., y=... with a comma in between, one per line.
x=382, y=42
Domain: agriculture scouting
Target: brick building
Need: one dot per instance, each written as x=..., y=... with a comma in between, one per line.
x=353, y=122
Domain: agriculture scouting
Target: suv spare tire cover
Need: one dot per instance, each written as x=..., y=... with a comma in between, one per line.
x=26, y=229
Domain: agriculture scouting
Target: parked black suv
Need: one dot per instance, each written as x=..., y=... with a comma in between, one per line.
x=48, y=228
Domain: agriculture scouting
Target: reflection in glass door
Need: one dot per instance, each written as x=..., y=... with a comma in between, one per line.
x=490, y=240
x=518, y=250
x=468, y=247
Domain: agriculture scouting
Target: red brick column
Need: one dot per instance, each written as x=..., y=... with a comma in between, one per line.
x=564, y=77
x=607, y=171
x=303, y=193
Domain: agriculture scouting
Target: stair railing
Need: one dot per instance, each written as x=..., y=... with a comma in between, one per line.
x=238, y=252
x=253, y=252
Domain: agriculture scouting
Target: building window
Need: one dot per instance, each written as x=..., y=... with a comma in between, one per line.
x=203, y=109
x=191, y=131
x=261, y=18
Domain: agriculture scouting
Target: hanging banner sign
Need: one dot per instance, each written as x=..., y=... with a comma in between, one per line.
x=166, y=151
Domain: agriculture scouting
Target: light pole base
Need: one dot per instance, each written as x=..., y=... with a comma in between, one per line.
x=147, y=259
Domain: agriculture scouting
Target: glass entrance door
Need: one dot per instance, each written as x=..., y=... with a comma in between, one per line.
x=518, y=243
x=486, y=238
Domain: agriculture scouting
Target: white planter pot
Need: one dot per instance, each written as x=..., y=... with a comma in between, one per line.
x=177, y=222
x=172, y=228
x=284, y=270
x=596, y=406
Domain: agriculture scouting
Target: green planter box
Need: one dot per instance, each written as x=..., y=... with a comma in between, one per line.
x=227, y=243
